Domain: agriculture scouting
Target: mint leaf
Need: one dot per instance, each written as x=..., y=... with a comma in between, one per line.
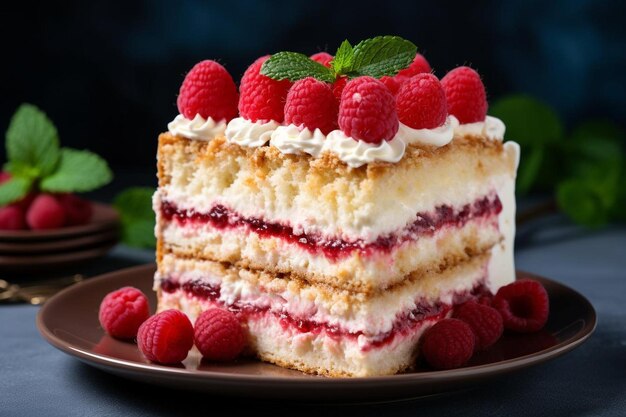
x=138, y=219
x=294, y=66
x=342, y=63
x=32, y=140
x=529, y=168
x=78, y=171
x=382, y=55
x=14, y=190
x=582, y=202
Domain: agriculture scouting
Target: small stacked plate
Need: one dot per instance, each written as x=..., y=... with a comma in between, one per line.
x=42, y=250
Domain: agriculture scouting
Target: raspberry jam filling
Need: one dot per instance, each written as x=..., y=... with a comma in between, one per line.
x=425, y=224
x=404, y=323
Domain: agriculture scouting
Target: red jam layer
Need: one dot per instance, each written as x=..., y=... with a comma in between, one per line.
x=426, y=224
x=403, y=325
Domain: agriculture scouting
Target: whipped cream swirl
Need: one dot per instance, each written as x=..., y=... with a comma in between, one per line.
x=492, y=127
x=439, y=136
x=294, y=140
x=248, y=133
x=198, y=128
x=357, y=152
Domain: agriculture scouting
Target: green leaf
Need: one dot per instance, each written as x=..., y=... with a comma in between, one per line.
x=32, y=140
x=382, y=55
x=530, y=164
x=582, y=202
x=294, y=66
x=78, y=171
x=342, y=63
x=138, y=219
x=14, y=190
x=594, y=129
x=528, y=121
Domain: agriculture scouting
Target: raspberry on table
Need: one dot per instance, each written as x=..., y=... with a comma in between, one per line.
x=465, y=94
x=77, y=210
x=12, y=218
x=166, y=337
x=45, y=212
x=323, y=58
x=208, y=90
x=261, y=97
x=485, y=321
x=448, y=344
x=421, y=102
x=418, y=66
x=367, y=111
x=311, y=103
x=218, y=335
x=524, y=305
x=123, y=311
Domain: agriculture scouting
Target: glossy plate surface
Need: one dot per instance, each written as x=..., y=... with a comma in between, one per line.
x=69, y=321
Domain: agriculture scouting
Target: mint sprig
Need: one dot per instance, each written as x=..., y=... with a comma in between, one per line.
x=376, y=57
x=138, y=220
x=36, y=159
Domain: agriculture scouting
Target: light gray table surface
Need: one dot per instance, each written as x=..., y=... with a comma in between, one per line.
x=36, y=379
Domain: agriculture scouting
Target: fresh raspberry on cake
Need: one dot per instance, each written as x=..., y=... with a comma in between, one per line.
x=465, y=94
x=448, y=344
x=323, y=58
x=261, y=97
x=418, y=66
x=208, y=90
x=166, y=337
x=367, y=111
x=394, y=83
x=77, y=210
x=45, y=212
x=123, y=311
x=524, y=305
x=312, y=104
x=338, y=86
x=485, y=321
x=421, y=102
x=12, y=218
x=218, y=335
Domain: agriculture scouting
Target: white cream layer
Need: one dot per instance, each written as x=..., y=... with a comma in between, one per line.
x=198, y=128
x=250, y=134
x=439, y=136
x=493, y=128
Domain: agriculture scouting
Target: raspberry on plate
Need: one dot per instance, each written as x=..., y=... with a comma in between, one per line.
x=367, y=111
x=45, y=212
x=323, y=58
x=166, y=337
x=218, y=335
x=208, y=90
x=524, y=305
x=311, y=103
x=123, y=311
x=485, y=321
x=465, y=94
x=448, y=344
x=421, y=102
x=12, y=218
x=418, y=66
x=77, y=210
x=261, y=97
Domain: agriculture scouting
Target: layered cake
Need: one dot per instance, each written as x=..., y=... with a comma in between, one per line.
x=338, y=213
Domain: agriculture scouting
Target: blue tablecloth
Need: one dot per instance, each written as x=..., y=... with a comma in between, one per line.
x=36, y=379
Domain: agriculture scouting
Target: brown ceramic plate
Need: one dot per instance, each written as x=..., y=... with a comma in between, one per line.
x=104, y=217
x=69, y=321
x=25, y=248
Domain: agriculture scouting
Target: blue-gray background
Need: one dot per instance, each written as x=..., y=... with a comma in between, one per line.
x=108, y=73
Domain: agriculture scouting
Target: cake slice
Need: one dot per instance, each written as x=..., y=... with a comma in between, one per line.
x=335, y=247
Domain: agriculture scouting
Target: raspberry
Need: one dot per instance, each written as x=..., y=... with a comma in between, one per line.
x=338, y=86
x=311, y=103
x=262, y=98
x=45, y=212
x=465, y=94
x=418, y=66
x=218, y=335
x=448, y=344
x=524, y=305
x=394, y=83
x=4, y=177
x=367, y=111
x=208, y=90
x=77, y=210
x=485, y=321
x=323, y=58
x=122, y=312
x=421, y=102
x=486, y=300
x=12, y=218
x=166, y=337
